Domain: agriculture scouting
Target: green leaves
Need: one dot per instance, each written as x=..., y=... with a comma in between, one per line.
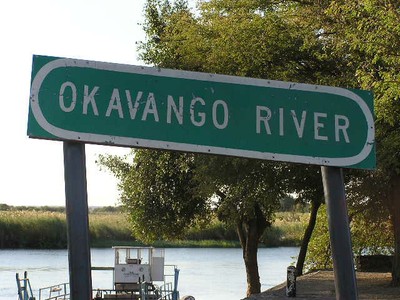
x=369, y=31
x=370, y=236
x=246, y=38
x=159, y=193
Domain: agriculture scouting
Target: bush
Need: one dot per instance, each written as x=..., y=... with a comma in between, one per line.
x=368, y=238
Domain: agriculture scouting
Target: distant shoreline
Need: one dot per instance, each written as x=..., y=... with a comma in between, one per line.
x=46, y=228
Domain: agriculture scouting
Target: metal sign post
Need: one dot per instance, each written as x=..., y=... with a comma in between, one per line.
x=339, y=231
x=77, y=221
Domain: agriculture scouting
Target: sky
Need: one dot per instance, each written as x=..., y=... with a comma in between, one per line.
x=32, y=171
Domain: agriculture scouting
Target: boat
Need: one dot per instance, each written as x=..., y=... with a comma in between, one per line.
x=139, y=273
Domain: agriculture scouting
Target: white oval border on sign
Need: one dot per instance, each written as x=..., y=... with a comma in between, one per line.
x=144, y=143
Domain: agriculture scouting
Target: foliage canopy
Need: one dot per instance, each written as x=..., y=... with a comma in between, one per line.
x=337, y=43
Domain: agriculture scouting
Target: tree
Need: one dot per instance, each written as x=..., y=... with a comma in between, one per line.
x=167, y=192
x=306, y=182
x=248, y=193
x=252, y=38
x=319, y=254
x=365, y=35
x=159, y=192
x=248, y=38
x=367, y=32
x=343, y=43
x=377, y=239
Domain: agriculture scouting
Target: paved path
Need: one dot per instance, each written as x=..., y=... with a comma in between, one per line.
x=320, y=285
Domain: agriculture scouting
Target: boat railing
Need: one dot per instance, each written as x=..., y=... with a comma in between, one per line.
x=55, y=292
x=112, y=294
x=166, y=291
x=24, y=287
x=144, y=291
x=169, y=290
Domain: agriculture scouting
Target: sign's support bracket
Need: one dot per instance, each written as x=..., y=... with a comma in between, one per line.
x=77, y=221
x=339, y=231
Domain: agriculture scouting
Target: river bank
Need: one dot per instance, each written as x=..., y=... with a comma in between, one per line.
x=38, y=229
x=320, y=285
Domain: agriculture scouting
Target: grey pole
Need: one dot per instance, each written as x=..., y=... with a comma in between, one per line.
x=339, y=231
x=80, y=278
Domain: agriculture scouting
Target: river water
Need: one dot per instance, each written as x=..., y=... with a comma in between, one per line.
x=205, y=273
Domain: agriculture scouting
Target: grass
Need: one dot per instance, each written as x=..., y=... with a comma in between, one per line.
x=287, y=229
x=30, y=229
x=47, y=229
x=109, y=226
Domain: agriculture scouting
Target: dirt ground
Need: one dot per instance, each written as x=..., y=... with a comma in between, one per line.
x=320, y=285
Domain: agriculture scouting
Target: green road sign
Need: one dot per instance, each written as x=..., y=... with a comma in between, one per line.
x=113, y=104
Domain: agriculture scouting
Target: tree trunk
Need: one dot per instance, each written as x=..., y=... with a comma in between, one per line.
x=395, y=214
x=249, y=232
x=250, y=249
x=315, y=204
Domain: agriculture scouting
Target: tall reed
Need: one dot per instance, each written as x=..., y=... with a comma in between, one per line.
x=44, y=229
x=30, y=229
x=48, y=229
